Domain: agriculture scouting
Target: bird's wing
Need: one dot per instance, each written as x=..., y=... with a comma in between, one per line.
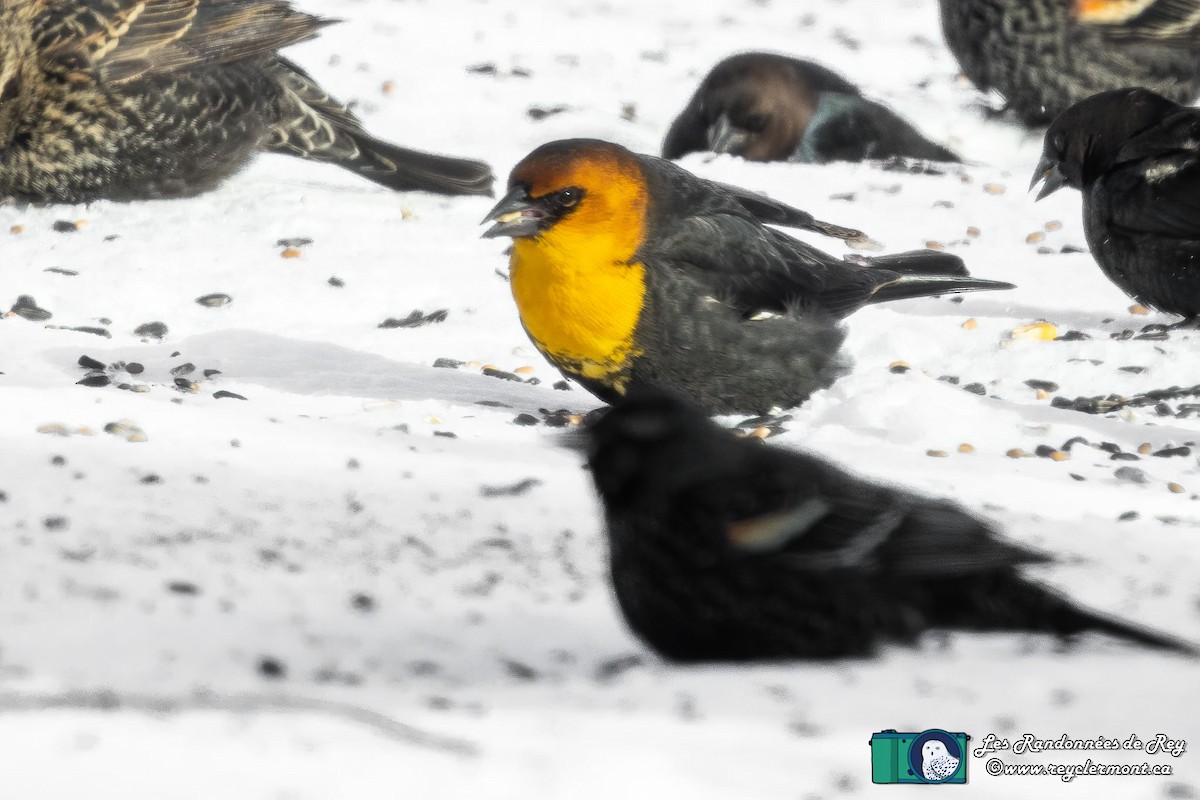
x=1157, y=190
x=755, y=268
x=1176, y=21
x=838, y=522
x=126, y=39
x=773, y=212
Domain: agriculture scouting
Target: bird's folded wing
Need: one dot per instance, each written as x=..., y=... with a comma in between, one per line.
x=1151, y=20
x=876, y=532
x=1159, y=191
x=774, y=212
x=126, y=39
x=740, y=262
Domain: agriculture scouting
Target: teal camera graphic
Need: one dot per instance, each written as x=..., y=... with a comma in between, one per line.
x=932, y=756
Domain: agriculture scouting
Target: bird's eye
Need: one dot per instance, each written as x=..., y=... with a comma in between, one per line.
x=1059, y=142
x=569, y=197
x=755, y=122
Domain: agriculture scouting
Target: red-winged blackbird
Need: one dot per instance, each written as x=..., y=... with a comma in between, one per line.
x=1045, y=55
x=629, y=270
x=133, y=99
x=767, y=107
x=725, y=549
x=1136, y=157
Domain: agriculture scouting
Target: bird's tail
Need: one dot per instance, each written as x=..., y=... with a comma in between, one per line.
x=1068, y=620
x=907, y=286
x=914, y=262
x=403, y=169
x=316, y=126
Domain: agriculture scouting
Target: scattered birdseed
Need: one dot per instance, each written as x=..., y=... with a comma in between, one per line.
x=1131, y=475
x=539, y=113
x=224, y=395
x=1016, y=452
x=336, y=282
x=151, y=330
x=1067, y=249
x=975, y=388
x=16, y=230
x=66, y=226
x=290, y=252
x=1036, y=237
x=127, y=430
x=995, y=188
x=87, y=362
x=1075, y=336
x=966, y=448
x=70, y=273
x=1124, y=457
x=1053, y=225
x=214, y=300
x=899, y=367
x=448, y=363
x=515, y=490
x=295, y=241
x=524, y=370
x=416, y=319
x=27, y=308
x=493, y=372
x=1039, y=331
x=271, y=668
x=970, y=324
x=1169, y=452
x=1047, y=386
x=937, y=454
x=1132, y=370
x=1129, y=516
x=183, y=369
x=94, y=381
x=525, y=419
x=562, y=386
x=1175, y=488
x=973, y=232
x=1139, y=310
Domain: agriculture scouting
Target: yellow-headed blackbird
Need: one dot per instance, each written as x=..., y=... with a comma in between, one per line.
x=629, y=270
x=767, y=107
x=1045, y=55
x=725, y=549
x=134, y=99
x=1135, y=155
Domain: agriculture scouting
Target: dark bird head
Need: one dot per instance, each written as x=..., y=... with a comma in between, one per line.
x=1086, y=139
x=653, y=443
x=583, y=195
x=754, y=105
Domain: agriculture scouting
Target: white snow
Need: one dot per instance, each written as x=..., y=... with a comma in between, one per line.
x=491, y=661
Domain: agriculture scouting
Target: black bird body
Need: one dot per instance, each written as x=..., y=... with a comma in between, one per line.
x=649, y=275
x=1045, y=55
x=137, y=99
x=767, y=107
x=1135, y=156
x=725, y=550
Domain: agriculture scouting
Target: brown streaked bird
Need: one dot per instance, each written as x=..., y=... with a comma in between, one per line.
x=723, y=549
x=767, y=107
x=628, y=270
x=139, y=99
x=1043, y=56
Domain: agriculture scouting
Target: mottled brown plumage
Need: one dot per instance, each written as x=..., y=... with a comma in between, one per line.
x=135, y=99
x=1046, y=55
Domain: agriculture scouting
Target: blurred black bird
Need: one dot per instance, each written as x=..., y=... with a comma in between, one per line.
x=628, y=270
x=1135, y=155
x=723, y=549
x=766, y=107
x=135, y=99
x=1045, y=55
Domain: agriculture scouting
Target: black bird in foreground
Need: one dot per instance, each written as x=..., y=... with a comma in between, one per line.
x=1045, y=55
x=723, y=549
x=137, y=99
x=766, y=107
x=1135, y=155
x=629, y=270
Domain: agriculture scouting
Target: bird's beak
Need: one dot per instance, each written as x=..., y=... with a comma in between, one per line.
x=1049, y=171
x=725, y=137
x=516, y=215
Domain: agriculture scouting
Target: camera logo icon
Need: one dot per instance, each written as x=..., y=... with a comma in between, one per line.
x=932, y=756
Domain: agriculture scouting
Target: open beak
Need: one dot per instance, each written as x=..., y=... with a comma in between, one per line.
x=516, y=216
x=1048, y=170
x=725, y=137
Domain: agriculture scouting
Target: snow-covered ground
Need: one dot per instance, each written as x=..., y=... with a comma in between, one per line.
x=365, y=580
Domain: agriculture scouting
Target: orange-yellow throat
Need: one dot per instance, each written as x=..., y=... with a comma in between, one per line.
x=579, y=304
